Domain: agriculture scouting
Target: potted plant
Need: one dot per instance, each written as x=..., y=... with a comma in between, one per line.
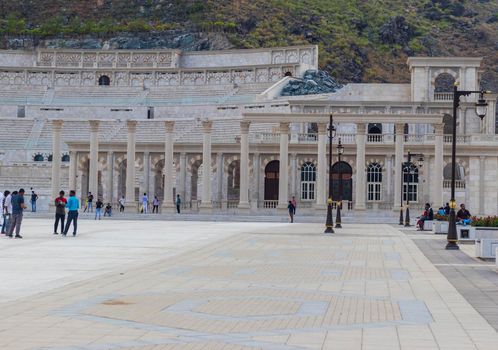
x=486, y=235
x=440, y=225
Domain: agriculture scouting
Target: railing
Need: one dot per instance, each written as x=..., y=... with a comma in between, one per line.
x=267, y=137
x=268, y=204
x=462, y=139
x=443, y=96
x=345, y=138
x=232, y=204
x=414, y=138
x=459, y=184
x=307, y=138
x=375, y=138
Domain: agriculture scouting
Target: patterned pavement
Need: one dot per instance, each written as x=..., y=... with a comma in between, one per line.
x=289, y=287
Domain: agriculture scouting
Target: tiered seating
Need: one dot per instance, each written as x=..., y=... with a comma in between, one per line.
x=22, y=94
x=187, y=94
x=103, y=95
x=14, y=133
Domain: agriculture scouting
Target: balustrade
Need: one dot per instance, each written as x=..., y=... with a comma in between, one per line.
x=459, y=184
x=443, y=96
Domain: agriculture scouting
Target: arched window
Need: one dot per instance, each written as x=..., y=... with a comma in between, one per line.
x=308, y=181
x=288, y=74
x=444, y=83
x=459, y=176
x=38, y=158
x=49, y=158
x=65, y=158
x=374, y=182
x=104, y=80
x=410, y=182
x=448, y=124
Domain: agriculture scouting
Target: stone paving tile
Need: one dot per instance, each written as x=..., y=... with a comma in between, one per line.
x=366, y=287
x=475, y=280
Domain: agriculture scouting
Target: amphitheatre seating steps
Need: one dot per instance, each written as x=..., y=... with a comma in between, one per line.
x=22, y=94
x=14, y=133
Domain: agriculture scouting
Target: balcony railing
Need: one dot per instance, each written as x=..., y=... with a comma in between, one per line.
x=460, y=139
x=443, y=96
x=459, y=184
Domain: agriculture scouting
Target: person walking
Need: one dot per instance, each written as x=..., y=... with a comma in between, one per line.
x=155, y=205
x=145, y=203
x=72, y=215
x=89, y=202
x=122, y=202
x=178, y=203
x=60, y=211
x=34, y=198
x=18, y=206
x=291, y=209
x=294, y=203
x=98, y=208
x=6, y=211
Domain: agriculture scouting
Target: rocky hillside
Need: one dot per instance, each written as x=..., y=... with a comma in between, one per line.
x=359, y=40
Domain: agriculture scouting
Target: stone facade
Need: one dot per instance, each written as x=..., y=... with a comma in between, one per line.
x=102, y=108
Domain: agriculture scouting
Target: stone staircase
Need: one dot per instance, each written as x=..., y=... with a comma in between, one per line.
x=35, y=133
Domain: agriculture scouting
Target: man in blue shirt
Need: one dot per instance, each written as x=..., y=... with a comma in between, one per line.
x=17, y=202
x=72, y=215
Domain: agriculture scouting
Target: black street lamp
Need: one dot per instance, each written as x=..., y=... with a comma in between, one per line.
x=329, y=224
x=410, y=173
x=481, y=109
x=338, y=221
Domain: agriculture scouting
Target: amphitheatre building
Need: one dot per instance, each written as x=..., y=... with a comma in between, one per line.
x=238, y=131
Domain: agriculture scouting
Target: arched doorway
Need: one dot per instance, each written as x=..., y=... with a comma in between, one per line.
x=342, y=175
x=444, y=83
x=159, y=180
x=448, y=124
x=375, y=128
x=272, y=170
x=122, y=179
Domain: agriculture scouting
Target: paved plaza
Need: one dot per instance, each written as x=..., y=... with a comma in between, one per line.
x=146, y=285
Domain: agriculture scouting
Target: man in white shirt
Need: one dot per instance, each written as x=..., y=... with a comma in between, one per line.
x=6, y=210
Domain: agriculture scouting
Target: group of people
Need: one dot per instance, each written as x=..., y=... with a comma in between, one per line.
x=12, y=212
x=463, y=216
x=99, y=205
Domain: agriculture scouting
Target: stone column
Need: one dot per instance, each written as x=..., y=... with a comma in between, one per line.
x=146, y=175
x=219, y=177
x=360, y=167
x=182, y=190
x=283, y=183
x=321, y=180
x=437, y=186
x=73, y=167
x=244, y=166
x=131, y=205
x=398, y=160
x=93, y=178
x=56, y=159
x=206, y=205
x=168, y=201
x=256, y=179
x=110, y=173
x=293, y=180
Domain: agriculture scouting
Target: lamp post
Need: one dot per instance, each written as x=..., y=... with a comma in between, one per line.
x=401, y=199
x=329, y=224
x=338, y=221
x=481, y=109
x=410, y=172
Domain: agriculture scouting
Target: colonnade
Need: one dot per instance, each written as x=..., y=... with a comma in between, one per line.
x=244, y=203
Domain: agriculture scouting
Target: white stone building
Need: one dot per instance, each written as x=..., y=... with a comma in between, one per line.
x=100, y=110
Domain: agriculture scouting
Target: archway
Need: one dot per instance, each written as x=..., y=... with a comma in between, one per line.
x=104, y=80
x=233, y=181
x=448, y=124
x=444, y=83
x=375, y=128
x=272, y=171
x=159, y=180
x=196, y=181
x=342, y=175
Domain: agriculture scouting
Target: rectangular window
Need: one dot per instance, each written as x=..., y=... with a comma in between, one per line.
x=412, y=192
x=308, y=190
x=373, y=191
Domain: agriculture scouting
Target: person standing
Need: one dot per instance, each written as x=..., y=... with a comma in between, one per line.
x=178, y=203
x=89, y=202
x=60, y=212
x=294, y=204
x=291, y=209
x=155, y=205
x=145, y=203
x=122, y=202
x=98, y=208
x=72, y=215
x=5, y=211
x=34, y=198
x=18, y=206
